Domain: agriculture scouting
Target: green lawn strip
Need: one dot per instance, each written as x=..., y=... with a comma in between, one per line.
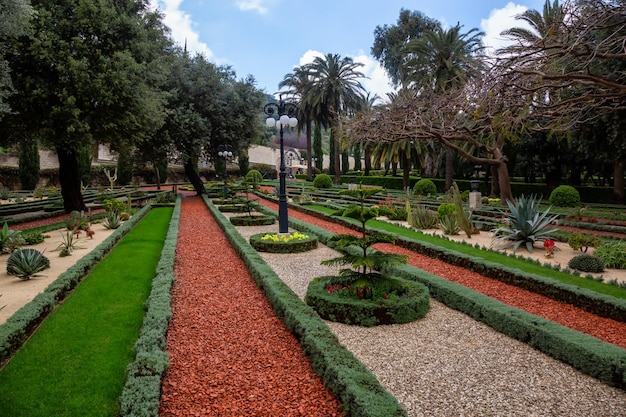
x=75, y=364
x=488, y=255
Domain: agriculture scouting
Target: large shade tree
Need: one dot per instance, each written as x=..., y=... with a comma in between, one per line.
x=570, y=69
x=90, y=72
x=442, y=60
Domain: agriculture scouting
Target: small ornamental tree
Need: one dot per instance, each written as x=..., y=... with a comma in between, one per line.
x=363, y=263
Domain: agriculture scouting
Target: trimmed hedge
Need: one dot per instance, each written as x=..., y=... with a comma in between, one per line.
x=590, y=355
x=254, y=220
x=141, y=395
x=357, y=388
x=410, y=307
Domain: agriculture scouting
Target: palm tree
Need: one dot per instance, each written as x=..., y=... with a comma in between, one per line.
x=542, y=26
x=299, y=83
x=335, y=89
x=445, y=59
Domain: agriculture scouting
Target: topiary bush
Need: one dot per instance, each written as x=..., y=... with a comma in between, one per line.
x=323, y=181
x=424, y=187
x=586, y=263
x=255, y=178
x=565, y=196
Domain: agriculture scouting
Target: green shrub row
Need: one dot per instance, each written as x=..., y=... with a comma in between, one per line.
x=16, y=330
x=141, y=394
x=588, y=354
x=356, y=387
x=600, y=304
x=253, y=220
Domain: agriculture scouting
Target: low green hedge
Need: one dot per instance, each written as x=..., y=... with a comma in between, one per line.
x=590, y=355
x=357, y=388
x=410, y=307
x=254, y=220
x=141, y=394
x=16, y=330
x=293, y=246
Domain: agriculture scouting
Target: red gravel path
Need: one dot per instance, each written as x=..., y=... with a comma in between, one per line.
x=609, y=330
x=230, y=355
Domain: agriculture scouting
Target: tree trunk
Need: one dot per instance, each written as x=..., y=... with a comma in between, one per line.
x=337, y=157
x=69, y=177
x=309, y=155
x=394, y=169
x=495, y=186
x=618, y=181
x=157, y=173
x=504, y=182
x=193, y=177
x=449, y=167
x=406, y=171
x=368, y=159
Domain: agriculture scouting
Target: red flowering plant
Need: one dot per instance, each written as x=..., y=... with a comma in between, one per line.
x=550, y=247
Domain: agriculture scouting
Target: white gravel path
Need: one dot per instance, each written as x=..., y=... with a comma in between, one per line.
x=448, y=364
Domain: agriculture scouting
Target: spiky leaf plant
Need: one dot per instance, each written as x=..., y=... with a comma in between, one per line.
x=112, y=220
x=525, y=224
x=26, y=263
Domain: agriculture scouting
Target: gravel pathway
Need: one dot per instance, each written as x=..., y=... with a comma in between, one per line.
x=448, y=364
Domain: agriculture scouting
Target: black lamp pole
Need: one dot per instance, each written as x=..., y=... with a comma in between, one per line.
x=225, y=151
x=286, y=113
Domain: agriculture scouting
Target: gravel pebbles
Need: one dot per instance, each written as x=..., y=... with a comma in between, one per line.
x=448, y=364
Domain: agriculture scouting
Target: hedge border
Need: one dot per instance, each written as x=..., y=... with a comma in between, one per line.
x=586, y=353
x=141, y=394
x=357, y=388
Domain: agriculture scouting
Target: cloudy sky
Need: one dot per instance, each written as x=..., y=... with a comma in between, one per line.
x=268, y=38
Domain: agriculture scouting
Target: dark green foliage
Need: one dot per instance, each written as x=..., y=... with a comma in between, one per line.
x=84, y=157
x=394, y=301
x=244, y=163
x=582, y=241
x=29, y=164
x=612, y=253
x=525, y=224
x=565, y=196
x=33, y=238
x=26, y=263
x=124, y=165
x=586, y=263
x=424, y=187
x=254, y=220
x=323, y=181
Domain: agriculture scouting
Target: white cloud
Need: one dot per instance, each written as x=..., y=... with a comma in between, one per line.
x=182, y=26
x=376, y=83
x=498, y=21
x=254, y=5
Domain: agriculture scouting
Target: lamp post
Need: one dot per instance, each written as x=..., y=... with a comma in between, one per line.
x=286, y=113
x=225, y=151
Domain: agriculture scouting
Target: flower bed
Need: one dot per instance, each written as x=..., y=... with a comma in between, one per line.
x=291, y=243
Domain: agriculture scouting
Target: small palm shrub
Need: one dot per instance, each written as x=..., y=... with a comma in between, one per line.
x=26, y=263
x=613, y=254
x=565, y=196
x=525, y=224
x=424, y=187
x=582, y=241
x=586, y=263
x=323, y=181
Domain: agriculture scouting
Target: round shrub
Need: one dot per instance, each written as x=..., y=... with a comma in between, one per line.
x=254, y=177
x=586, y=263
x=424, y=187
x=565, y=196
x=446, y=209
x=323, y=181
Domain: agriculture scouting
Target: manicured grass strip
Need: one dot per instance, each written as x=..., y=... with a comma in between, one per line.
x=492, y=256
x=75, y=364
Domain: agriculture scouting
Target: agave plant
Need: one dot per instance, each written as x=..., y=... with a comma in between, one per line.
x=26, y=263
x=525, y=224
x=112, y=220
